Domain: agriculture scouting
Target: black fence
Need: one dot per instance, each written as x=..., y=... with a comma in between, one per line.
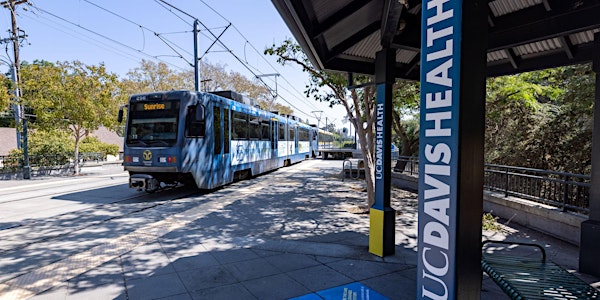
x=568, y=191
x=45, y=164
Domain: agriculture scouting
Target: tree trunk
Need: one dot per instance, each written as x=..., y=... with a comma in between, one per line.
x=366, y=138
x=76, y=154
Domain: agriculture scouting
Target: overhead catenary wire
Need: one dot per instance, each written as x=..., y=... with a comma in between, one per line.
x=309, y=103
x=84, y=38
x=130, y=52
x=158, y=35
x=242, y=62
x=104, y=36
x=232, y=53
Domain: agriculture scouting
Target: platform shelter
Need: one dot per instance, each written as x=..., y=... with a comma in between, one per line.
x=451, y=46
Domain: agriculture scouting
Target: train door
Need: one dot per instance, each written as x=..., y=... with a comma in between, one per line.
x=219, y=142
x=282, y=149
x=314, y=141
x=273, y=157
x=293, y=143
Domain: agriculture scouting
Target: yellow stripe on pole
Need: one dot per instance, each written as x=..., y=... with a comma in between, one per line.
x=376, y=232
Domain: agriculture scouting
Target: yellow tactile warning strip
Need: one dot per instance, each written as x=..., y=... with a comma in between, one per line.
x=45, y=278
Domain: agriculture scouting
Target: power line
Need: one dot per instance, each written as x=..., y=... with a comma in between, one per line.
x=309, y=103
x=82, y=37
x=173, y=46
x=103, y=36
x=227, y=48
x=158, y=35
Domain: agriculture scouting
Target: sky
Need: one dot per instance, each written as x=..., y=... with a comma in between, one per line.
x=121, y=33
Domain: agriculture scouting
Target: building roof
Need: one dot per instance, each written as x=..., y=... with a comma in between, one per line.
x=109, y=137
x=8, y=140
x=524, y=35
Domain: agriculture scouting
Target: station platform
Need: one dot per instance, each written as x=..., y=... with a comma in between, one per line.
x=289, y=234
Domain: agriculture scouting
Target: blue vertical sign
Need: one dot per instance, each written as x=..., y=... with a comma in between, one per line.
x=380, y=151
x=438, y=151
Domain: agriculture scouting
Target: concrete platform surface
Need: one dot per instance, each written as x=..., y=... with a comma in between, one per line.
x=290, y=234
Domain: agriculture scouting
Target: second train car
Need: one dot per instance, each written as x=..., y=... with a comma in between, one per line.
x=209, y=139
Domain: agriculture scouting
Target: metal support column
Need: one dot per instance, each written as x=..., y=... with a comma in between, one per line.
x=382, y=216
x=453, y=72
x=590, y=229
x=196, y=69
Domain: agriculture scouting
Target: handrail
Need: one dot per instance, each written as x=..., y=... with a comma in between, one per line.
x=567, y=191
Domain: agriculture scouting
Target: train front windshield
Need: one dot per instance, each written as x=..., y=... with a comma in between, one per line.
x=153, y=124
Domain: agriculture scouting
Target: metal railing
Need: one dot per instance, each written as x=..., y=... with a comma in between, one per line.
x=568, y=191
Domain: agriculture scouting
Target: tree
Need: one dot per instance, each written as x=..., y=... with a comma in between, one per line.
x=72, y=97
x=5, y=95
x=330, y=87
x=406, y=97
x=151, y=77
x=514, y=113
x=541, y=119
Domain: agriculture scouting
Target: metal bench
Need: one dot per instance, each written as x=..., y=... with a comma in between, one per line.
x=525, y=277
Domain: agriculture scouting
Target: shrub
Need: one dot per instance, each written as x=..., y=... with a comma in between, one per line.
x=93, y=144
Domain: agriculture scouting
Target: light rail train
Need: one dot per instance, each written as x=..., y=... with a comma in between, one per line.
x=210, y=139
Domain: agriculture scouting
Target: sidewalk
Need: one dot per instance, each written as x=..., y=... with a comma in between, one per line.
x=257, y=240
x=88, y=169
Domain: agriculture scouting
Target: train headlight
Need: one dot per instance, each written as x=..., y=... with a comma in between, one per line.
x=162, y=159
x=136, y=159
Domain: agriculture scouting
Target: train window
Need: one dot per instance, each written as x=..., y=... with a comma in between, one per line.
x=292, y=133
x=254, y=128
x=226, y=129
x=281, y=132
x=303, y=134
x=264, y=123
x=195, y=121
x=239, y=126
x=217, y=129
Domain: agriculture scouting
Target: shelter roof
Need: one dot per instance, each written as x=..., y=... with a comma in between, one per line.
x=524, y=35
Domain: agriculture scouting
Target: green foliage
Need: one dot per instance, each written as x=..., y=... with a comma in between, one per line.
x=489, y=222
x=13, y=162
x=93, y=144
x=50, y=143
x=406, y=101
x=541, y=119
x=47, y=148
x=5, y=95
x=60, y=145
x=72, y=97
x=290, y=51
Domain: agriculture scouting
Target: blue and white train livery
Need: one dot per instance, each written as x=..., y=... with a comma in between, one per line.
x=207, y=138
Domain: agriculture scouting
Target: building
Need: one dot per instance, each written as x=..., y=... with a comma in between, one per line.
x=8, y=139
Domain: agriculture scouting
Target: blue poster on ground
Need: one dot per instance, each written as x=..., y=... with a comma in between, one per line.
x=352, y=291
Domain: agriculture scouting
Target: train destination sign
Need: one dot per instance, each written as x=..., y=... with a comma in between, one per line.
x=154, y=106
x=438, y=153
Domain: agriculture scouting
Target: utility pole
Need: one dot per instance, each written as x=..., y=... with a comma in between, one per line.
x=317, y=117
x=196, y=82
x=204, y=82
x=16, y=74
